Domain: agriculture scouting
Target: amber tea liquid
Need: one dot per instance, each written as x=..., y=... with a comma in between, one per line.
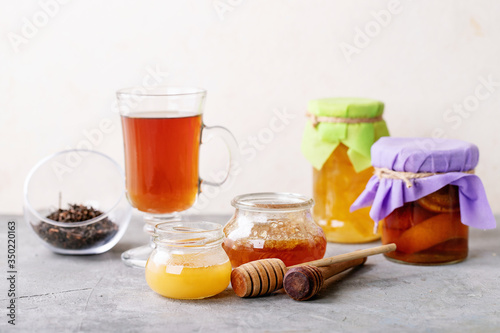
x=161, y=160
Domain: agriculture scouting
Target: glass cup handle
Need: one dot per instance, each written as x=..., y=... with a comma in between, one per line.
x=210, y=132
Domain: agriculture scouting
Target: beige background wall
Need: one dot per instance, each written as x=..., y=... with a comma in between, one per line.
x=434, y=63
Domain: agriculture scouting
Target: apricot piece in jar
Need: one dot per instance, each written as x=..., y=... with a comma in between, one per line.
x=444, y=200
x=407, y=216
x=431, y=232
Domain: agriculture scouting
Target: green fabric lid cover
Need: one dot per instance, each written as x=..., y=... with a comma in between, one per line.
x=319, y=142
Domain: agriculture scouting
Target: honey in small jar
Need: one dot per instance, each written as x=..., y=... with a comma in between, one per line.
x=426, y=194
x=273, y=225
x=337, y=142
x=188, y=261
x=184, y=282
x=292, y=251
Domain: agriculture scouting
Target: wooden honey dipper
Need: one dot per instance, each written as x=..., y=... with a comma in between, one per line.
x=303, y=282
x=262, y=277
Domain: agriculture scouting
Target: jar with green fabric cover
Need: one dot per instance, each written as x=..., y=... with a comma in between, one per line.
x=337, y=141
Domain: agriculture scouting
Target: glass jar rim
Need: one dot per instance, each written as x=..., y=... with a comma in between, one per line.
x=188, y=234
x=29, y=207
x=272, y=201
x=160, y=91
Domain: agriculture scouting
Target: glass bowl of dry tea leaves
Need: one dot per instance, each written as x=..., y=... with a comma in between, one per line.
x=75, y=202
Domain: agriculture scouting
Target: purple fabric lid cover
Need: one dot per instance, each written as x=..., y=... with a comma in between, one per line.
x=449, y=157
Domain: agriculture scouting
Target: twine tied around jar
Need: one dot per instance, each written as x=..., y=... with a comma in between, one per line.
x=339, y=120
x=407, y=176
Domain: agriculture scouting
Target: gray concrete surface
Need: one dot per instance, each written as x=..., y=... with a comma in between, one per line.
x=99, y=294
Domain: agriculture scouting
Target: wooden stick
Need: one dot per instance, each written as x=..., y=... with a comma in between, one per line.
x=262, y=277
x=350, y=256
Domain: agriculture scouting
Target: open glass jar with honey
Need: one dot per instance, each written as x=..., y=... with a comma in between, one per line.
x=273, y=225
x=337, y=141
x=426, y=196
x=188, y=261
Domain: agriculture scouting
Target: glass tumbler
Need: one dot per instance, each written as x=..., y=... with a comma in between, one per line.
x=162, y=132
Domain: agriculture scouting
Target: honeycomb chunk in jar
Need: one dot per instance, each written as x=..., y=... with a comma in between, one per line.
x=281, y=230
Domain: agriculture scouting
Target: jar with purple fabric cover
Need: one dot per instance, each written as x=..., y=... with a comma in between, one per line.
x=426, y=194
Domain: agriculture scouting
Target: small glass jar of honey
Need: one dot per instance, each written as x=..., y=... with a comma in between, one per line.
x=426, y=195
x=273, y=225
x=188, y=261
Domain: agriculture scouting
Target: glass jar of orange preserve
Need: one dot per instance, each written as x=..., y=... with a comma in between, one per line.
x=188, y=261
x=273, y=225
x=427, y=196
x=337, y=142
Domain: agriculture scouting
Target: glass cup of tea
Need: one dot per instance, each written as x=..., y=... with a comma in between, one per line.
x=162, y=133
